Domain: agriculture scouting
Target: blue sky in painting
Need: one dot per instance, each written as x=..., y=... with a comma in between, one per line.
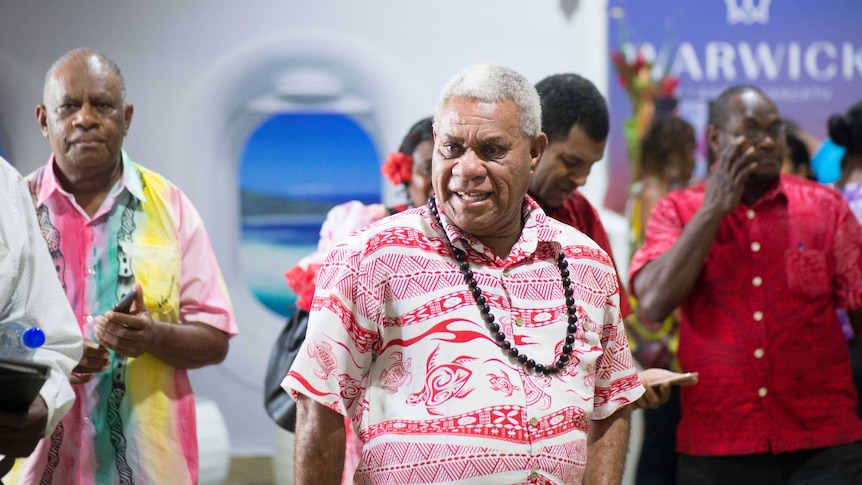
x=324, y=158
x=311, y=156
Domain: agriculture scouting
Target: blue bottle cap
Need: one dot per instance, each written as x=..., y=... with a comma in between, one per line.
x=33, y=337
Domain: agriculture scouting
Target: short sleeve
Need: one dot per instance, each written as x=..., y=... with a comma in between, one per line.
x=203, y=293
x=617, y=383
x=663, y=229
x=334, y=361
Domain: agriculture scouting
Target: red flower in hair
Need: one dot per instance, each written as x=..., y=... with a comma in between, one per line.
x=398, y=168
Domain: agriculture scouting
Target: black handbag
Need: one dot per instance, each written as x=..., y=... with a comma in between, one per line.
x=280, y=406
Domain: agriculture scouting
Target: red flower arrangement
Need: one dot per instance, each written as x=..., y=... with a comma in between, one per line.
x=301, y=279
x=398, y=168
x=635, y=75
x=667, y=86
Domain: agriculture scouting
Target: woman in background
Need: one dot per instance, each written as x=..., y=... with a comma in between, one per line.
x=410, y=166
x=797, y=159
x=666, y=164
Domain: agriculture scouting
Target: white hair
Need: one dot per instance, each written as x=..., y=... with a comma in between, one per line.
x=492, y=83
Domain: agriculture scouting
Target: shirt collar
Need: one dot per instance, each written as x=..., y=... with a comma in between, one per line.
x=130, y=179
x=536, y=231
x=776, y=193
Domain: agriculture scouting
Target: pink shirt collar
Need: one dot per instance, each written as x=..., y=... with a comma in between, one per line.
x=129, y=180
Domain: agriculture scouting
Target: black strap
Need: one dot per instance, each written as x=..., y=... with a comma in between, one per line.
x=6, y=464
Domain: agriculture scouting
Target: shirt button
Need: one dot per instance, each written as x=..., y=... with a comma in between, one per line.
x=91, y=271
x=534, y=475
x=534, y=422
x=749, y=214
x=89, y=318
x=755, y=246
x=505, y=271
x=761, y=392
x=519, y=321
x=758, y=316
x=86, y=420
x=758, y=353
x=757, y=281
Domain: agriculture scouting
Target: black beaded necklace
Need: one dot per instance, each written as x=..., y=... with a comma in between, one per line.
x=529, y=364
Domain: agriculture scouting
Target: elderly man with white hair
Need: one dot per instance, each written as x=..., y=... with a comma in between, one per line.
x=473, y=339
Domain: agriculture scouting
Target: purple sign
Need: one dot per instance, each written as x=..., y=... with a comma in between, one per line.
x=806, y=56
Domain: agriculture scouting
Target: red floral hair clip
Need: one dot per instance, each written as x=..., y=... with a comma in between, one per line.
x=398, y=168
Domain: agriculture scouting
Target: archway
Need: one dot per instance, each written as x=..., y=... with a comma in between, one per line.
x=230, y=100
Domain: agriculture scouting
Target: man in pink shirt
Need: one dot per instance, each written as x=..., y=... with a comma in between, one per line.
x=111, y=226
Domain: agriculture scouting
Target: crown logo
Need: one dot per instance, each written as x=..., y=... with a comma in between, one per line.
x=747, y=12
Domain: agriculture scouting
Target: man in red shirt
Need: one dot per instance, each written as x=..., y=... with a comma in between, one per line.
x=758, y=261
x=575, y=118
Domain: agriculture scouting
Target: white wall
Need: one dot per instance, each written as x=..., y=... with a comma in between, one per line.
x=192, y=67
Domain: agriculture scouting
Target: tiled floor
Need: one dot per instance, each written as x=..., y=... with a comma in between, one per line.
x=250, y=470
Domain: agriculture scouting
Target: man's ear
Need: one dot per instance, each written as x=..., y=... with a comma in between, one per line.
x=537, y=149
x=42, y=119
x=129, y=111
x=712, y=134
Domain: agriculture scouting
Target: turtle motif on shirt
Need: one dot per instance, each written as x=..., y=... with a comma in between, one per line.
x=397, y=374
x=322, y=353
x=502, y=383
x=443, y=382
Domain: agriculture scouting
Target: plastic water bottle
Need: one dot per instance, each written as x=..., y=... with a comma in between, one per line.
x=18, y=341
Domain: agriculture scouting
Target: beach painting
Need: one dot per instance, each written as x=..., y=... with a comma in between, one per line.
x=294, y=168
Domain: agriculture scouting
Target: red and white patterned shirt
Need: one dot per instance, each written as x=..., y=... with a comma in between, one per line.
x=395, y=341
x=760, y=325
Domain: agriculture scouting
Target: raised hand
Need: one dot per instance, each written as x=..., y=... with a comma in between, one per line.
x=726, y=181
